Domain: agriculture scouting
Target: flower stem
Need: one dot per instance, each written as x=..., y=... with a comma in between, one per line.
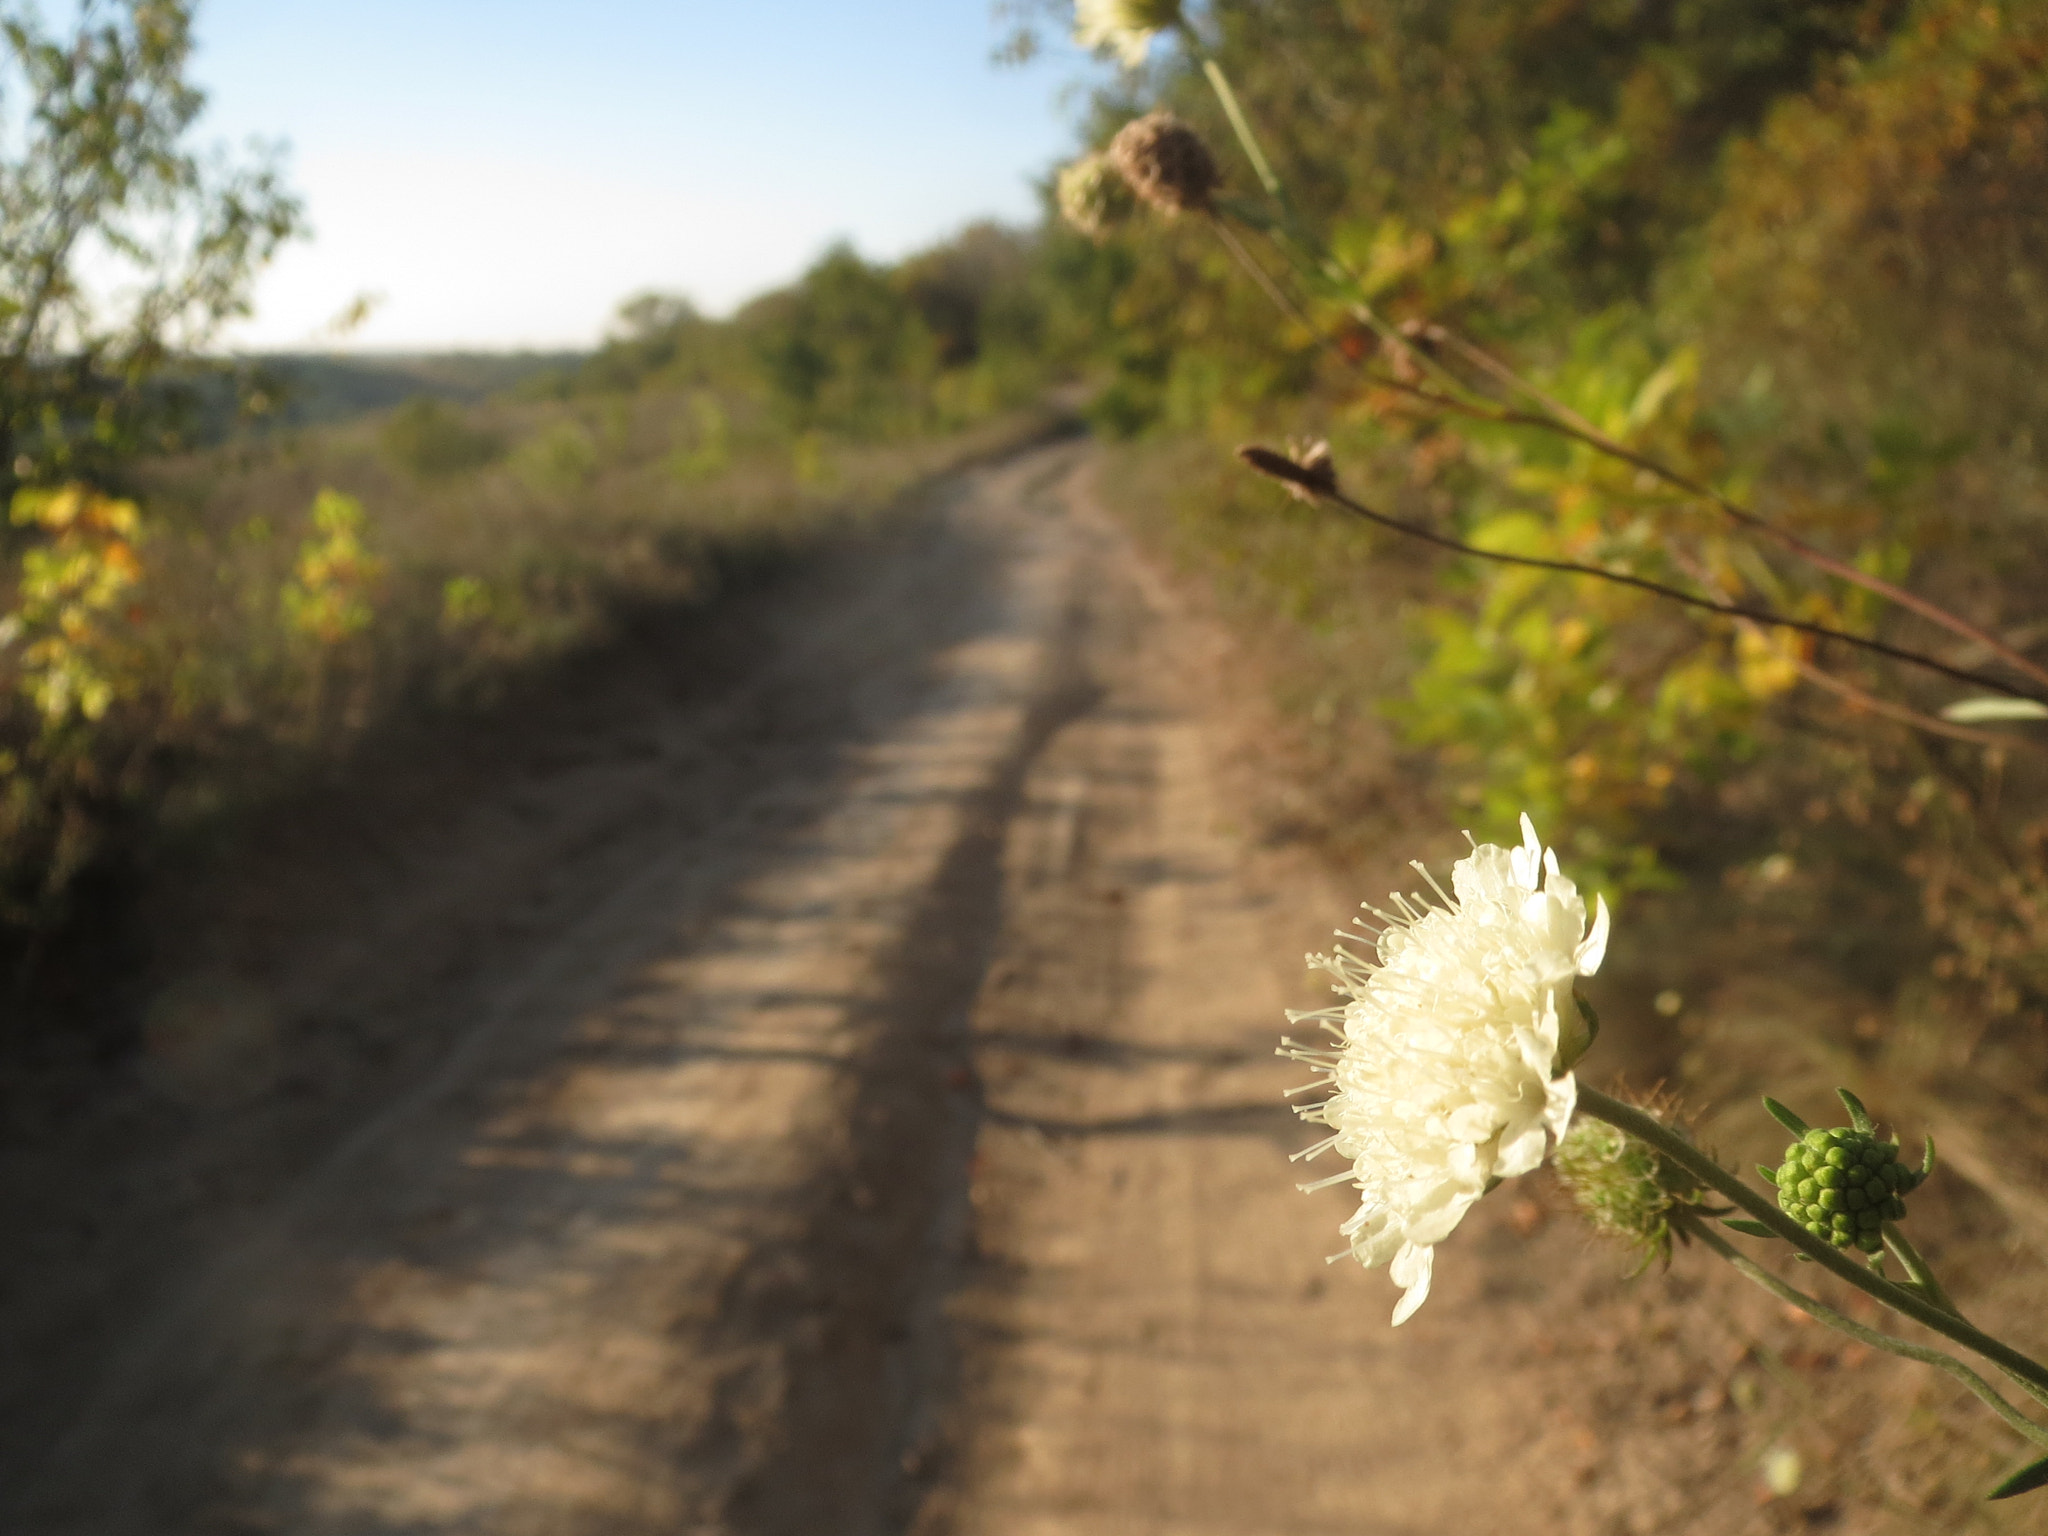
x=1918, y=1271
x=1560, y=420
x=1646, y=1128
x=1242, y=127
x=1271, y=464
x=1696, y=1227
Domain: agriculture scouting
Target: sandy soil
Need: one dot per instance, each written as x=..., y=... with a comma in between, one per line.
x=810, y=1070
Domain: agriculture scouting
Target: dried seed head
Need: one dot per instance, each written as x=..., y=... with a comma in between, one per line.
x=1306, y=469
x=1626, y=1189
x=1319, y=470
x=1166, y=163
x=1093, y=197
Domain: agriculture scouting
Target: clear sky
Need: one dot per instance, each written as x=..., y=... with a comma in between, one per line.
x=504, y=173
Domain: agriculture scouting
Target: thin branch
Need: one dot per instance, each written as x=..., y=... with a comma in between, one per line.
x=1241, y=126
x=1922, y=1275
x=1487, y=363
x=1560, y=419
x=1272, y=289
x=1648, y=1129
x=1819, y=1310
x=1591, y=437
x=1857, y=697
x=1934, y=725
x=1279, y=467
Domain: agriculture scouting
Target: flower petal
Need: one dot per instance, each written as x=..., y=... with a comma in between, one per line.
x=1444, y=1082
x=1527, y=860
x=1413, y=1270
x=1561, y=1099
x=1521, y=1149
x=1594, y=948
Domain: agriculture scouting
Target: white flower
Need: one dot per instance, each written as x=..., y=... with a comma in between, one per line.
x=1452, y=1069
x=1124, y=27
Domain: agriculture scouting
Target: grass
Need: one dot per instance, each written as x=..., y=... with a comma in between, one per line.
x=285, y=596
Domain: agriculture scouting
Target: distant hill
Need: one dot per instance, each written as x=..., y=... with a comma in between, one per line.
x=315, y=388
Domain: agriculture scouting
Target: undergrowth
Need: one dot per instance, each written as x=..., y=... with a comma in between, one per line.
x=237, y=622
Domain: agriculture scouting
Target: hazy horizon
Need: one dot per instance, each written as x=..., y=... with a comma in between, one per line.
x=502, y=178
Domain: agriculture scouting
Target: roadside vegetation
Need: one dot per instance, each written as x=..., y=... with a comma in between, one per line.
x=1789, y=258
x=1798, y=253
x=220, y=575
x=193, y=631
x=1588, y=276
x=1808, y=268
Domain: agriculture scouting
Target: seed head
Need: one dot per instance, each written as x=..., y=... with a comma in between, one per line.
x=1166, y=163
x=1093, y=197
x=1625, y=1188
x=1306, y=469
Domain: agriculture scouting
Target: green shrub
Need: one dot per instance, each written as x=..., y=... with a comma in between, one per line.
x=429, y=438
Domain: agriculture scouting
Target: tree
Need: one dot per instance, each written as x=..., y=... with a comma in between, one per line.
x=122, y=250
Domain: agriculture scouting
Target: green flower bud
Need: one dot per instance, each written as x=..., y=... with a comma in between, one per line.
x=1841, y=1182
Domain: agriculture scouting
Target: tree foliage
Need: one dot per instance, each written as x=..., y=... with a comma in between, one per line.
x=1797, y=251
x=122, y=247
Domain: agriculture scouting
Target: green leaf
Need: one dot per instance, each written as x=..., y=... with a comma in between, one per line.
x=1786, y=1118
x=1986, y=710
x=1858, y=1115
x=1770, y=1174
x=1750, y=1228
x=2033, y=1475
x=1927, y=1160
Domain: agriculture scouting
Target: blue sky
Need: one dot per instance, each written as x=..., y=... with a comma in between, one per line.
x=503, y=174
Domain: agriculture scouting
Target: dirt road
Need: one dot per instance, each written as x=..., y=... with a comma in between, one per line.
x=811, y=1073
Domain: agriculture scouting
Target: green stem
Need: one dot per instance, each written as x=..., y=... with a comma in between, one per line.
x=1918, y=1271
x=1822, y=1312
x=1648, y=1129
x=1279, y=469
x=1311, y=256
x=1282, y=300
x=1559, y=419
x=1241, y=126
